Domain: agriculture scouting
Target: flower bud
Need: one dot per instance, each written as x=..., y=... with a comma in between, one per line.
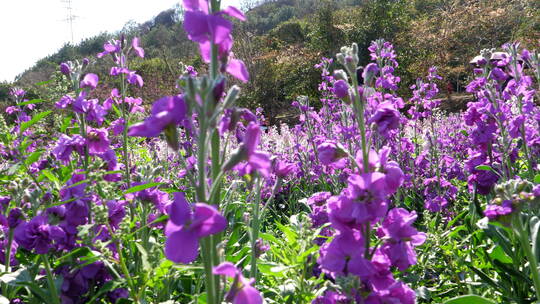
x=14, y=217
x=65, y=69
x=340, y=75
x=218, y=90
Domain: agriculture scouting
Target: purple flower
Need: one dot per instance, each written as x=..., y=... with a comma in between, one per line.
x=70, y=191
x=65, y=145
x=117, y=126
x=152, y=195
x=256, y=160
x=167, y=111
x=15, y=217
x=134, y=78
x=330, y=152
x=386, y=118
x=64, y=102
x=38, y=235
x=208, y=29
x=494, y=211
x=242, y=291
x=344, y=255
x=435, y=204
x=369, y=72
x=341, y=88
x=90, y=80
x=395, y=293
x=185, y=227
x=282, y=168
x=398, y=226
x=110, y=47
x=138, y=50
x=65, y=68
x=12, y=109
x=17, y=92
x=117, y=212
x=97, y=140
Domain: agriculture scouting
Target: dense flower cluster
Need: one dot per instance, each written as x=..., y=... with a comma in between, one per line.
x=100, y=210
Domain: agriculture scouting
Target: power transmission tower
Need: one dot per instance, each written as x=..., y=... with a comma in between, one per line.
x=70, y=17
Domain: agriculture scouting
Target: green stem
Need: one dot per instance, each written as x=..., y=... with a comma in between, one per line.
x=359, y=109
x=125, y=271
x=5, y=286
x=50, y=279
x=255, y=226
x=208, y=261
x=533, y=263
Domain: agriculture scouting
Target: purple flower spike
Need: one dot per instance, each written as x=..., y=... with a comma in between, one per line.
x=186, y=227
x=138, y=50
x=90, y=80
x=242, y=291
x=167, y=111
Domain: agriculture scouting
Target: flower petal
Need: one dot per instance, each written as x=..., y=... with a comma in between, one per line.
x=182, y=246
x=236, y=68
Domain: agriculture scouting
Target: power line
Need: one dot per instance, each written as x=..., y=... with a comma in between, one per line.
x=70, y=17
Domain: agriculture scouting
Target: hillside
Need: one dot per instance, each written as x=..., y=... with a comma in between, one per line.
x=282, y=41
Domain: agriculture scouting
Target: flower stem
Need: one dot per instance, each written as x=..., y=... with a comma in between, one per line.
x=533, y=263
x=50, y=279
x=8, y=259
x=255, y=226
x=359, y=109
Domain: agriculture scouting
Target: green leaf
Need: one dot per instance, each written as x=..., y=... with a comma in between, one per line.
x=537, y=179
x=76, y=253
x=272, y=269
x=37, y=291
x=470, y=299
x=498, y=235
x=48, y=174
x=484, y=277
x=43, y=82
x=269, y=238
x=110, y=285
x=33, y=101
x=484, y=168
x=27, y=124
x=141, y=187
x=32, y=158
x=535, y=236
x=144, y=257
x=65, y=124
x=497, y=253
x=289, y=233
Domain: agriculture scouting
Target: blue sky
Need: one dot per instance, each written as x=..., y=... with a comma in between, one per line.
x=33, y=29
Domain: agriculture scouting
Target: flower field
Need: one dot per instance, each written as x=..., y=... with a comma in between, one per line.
x=369, y=197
